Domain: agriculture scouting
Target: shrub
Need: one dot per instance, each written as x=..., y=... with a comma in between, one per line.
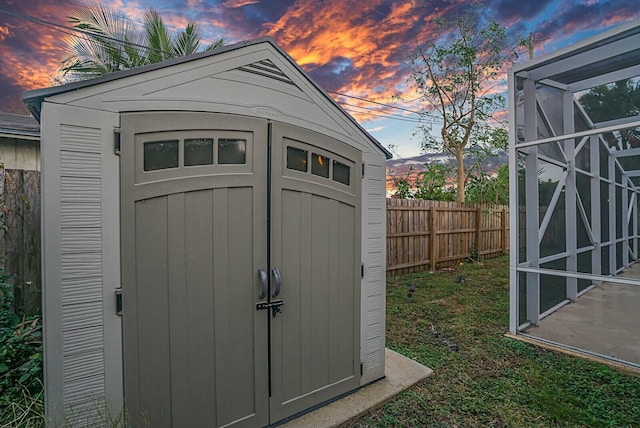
x=21, y=397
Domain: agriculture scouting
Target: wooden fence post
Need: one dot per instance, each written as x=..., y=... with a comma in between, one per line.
x=478, y=239
x=432, y=237
x=503, y=223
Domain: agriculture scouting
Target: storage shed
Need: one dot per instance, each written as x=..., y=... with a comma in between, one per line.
x=575, y=197
x=213, y=240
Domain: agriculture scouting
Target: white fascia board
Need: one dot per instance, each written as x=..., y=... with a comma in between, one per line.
x=632, y=27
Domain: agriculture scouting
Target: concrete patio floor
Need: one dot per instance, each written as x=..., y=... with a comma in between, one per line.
x=400, y=373
x=604, y=321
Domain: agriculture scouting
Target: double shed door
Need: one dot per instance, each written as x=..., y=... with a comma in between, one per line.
x=211, y=207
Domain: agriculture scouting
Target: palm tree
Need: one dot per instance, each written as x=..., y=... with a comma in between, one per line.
x=108, y=41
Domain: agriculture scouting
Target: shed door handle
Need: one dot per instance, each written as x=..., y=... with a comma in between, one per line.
x=264, y=283
x=278, y=280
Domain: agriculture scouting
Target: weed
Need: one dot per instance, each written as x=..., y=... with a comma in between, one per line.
x=96, y=412
x=26, y=411
x=475, y=255
x=20, y=363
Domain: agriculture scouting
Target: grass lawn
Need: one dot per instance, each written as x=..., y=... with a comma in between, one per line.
x=481, y=377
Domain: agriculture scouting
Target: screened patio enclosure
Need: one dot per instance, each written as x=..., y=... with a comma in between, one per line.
x=574, y=119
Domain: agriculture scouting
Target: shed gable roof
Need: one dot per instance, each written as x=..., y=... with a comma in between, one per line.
x=239, y=76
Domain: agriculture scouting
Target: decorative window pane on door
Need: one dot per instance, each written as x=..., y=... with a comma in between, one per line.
x=160, y=155
x=320, y=165
x=297, y=159
x=198, y=151
x=341, y=173
x=232, y=151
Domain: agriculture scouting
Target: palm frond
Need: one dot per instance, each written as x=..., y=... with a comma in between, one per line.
x=109, y=42
x=214, y=45
x=158, y=37
x=187, y=41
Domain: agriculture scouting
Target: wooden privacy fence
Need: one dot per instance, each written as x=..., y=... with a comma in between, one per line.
x=20, y=237
x=425, y=235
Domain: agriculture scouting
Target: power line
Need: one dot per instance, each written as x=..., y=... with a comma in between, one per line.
x=383, y=113
x=378, y=110
x=373, y=111
x=101, y=38
x=65, y=29
x=380, y=115
x=81, y=6
x=375, y=102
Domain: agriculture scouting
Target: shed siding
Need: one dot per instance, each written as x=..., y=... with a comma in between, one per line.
x=76, y=340
x=373, y=296
x=80, y=215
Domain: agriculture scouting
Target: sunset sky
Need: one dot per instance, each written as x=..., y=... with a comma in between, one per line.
x=349, y=47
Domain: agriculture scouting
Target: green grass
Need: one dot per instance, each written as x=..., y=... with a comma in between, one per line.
x=483, y=378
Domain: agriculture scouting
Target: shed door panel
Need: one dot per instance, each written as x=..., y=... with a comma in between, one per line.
x=183, y=246
x=316, y=245
x=193, y=238
x=194, y=233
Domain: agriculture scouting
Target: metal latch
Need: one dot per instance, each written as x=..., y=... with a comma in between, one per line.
x=119, y=301
x=116, y=141
x=274, y=305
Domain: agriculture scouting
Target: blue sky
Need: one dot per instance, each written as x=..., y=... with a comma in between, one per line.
x=349, y=47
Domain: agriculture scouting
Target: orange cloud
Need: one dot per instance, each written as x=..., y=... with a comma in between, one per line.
x=356, y=49
x=31, y=52
x=314, y=35
x=4, y=32
x=33, y=73
x=369, y=45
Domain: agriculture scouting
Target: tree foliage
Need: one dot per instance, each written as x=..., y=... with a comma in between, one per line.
x=433, y=183
x=437, y=183
x=109, y=41
x=456, y=77
x=615, y=101
x=489, y=189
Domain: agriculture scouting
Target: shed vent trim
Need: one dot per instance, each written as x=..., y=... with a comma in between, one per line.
x=267, y=69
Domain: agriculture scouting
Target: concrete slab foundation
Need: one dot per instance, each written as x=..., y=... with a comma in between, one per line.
x=603, y=321
x=400, y=373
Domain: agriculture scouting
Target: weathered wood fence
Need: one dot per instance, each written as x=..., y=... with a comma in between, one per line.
x=425, y=235
x=20, y=237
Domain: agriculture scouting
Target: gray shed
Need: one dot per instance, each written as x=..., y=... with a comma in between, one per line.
x=213, y=240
